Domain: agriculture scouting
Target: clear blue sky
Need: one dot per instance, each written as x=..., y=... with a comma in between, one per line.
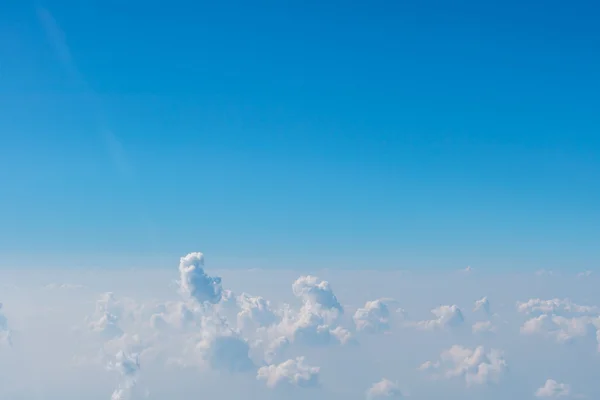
x=391, y=134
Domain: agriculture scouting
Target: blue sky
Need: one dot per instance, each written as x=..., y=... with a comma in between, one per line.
x=347, y=134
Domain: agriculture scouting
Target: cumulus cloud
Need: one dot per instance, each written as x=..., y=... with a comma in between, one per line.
x=561, y=320
x=553, y=389
x=222, y=348
x=128, y=367
x=255, y=312
x=555, y=306
x=446, y=317
x=384, y=389
x=293, y=372
x=213, y=338
x=373, y=317
x=482, y=304
x=195, y=282
x=309, y=325
x=314, y=291
x=477, y=366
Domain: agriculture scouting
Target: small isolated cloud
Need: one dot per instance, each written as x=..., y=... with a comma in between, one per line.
x=374, y=317
x=384, y=389
x=482, y=304
x=292, y=372
x=483, y=327
x=194, y=282
x=584, y=274
x=477, y=366
x=552, y=389
x=446, y=317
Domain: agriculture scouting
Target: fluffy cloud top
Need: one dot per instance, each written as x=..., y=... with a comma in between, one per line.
x=553, y=389
x=476, y=365
x=482, y=304
x=214, y=339
x=446, y=317
x=127, y=366
x=384, y=389
x=195, y=282
x=292, y=372
x=224, y=349
x=373, y=317
x=562, y=320
x=314, y=291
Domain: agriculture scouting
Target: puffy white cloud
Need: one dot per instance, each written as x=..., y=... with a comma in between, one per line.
x=476, y=365
x=482, y=304
x=293, y=372
x=562, y=320
x=553, y=389
x=446, y=317
x=195, y=282
x=107, y=325
x=555, y=306
x=222, y=348
x=128, y=367
x=255, y=312
x=310, y=325
x=373, y=317
x=384, y=389
x=178, y=315
x=314, y=291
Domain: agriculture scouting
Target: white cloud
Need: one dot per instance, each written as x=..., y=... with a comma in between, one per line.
x=476, y=365
x=222, y=348
x=373, y=317
x=314, y=291
x=553, y=389
x=292, y=372
x=446, y=317
x=195, y=282
x=482, y=304
x=255, y=312
x=186, y=346
x=555, y=306
x=128, y=367
x=561, y=320
x=384, y=389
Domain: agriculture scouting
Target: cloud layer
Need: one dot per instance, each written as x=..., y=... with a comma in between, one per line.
x=271, y=335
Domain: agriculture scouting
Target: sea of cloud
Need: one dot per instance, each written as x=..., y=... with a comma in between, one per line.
x=188, y=332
